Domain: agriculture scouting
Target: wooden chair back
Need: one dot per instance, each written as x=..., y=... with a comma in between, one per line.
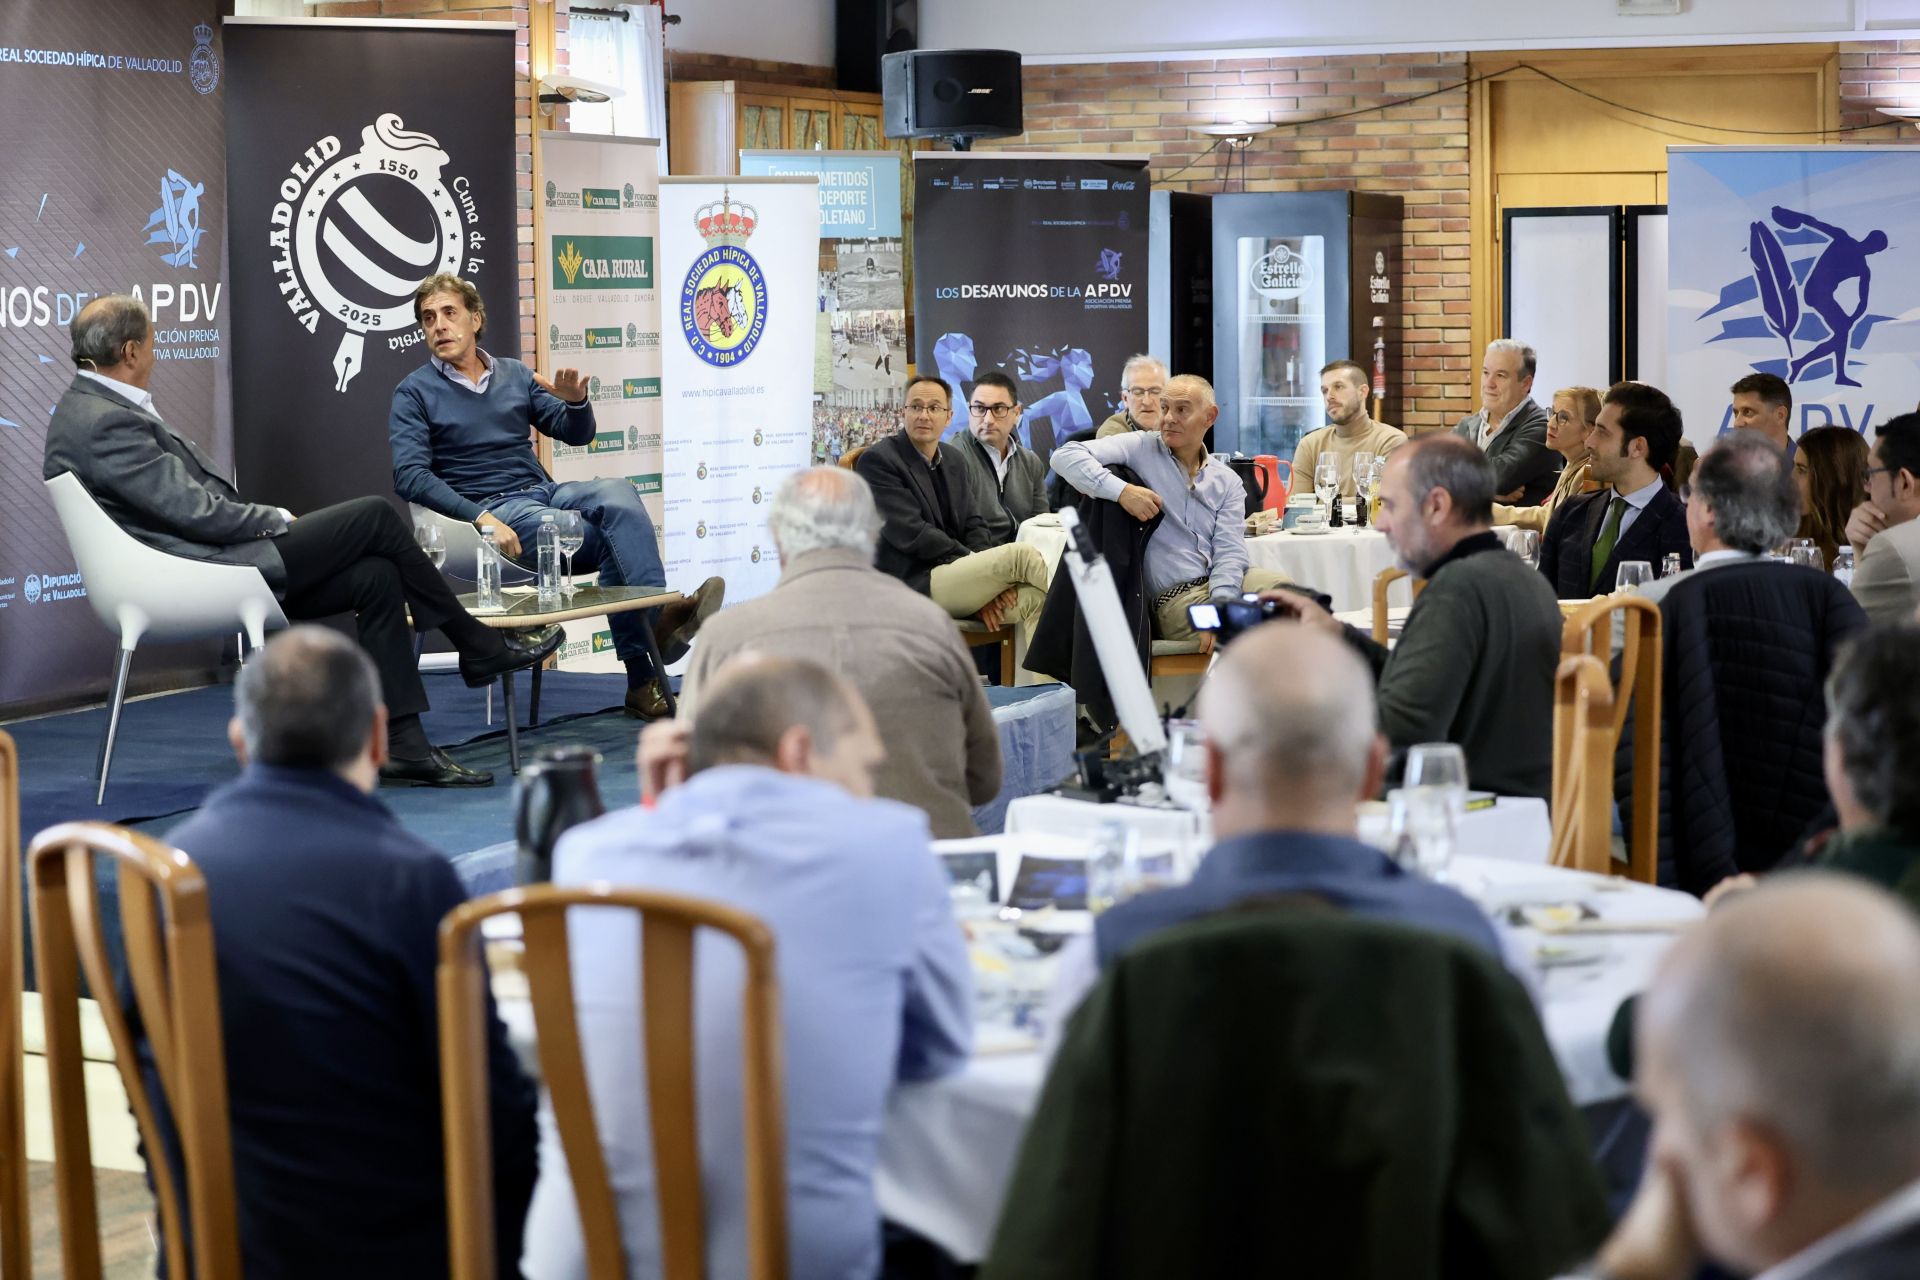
x=1382, y=580
x=16, y=1235
x=1590, y=629
x=1582, y=766
x=978, y=635
x=851, y=458
x=169, y=948
x=668, y=926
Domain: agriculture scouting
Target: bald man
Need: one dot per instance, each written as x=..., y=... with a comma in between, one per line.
x=1780, y=1060
x=1288, y=761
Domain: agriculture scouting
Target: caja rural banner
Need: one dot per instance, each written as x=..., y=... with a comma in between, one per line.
x=1035, y=265
x=365, y=158
x=1800, y=262
x=112, y=124
x=860, y=327
x=599, y=231
x=738, y=258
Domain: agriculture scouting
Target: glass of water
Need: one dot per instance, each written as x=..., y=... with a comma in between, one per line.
x=1424, y=826
x=1326, y=479
x=1633, y=575
x=1185, y=772
x=431, y=542
x=573, y=534
x=1803, y=551
x=1526, y=545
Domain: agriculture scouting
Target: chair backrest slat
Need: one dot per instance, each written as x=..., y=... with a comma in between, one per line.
x=1583, y=759
x=666, y=971
x=1590, y=630
x=16, y=1238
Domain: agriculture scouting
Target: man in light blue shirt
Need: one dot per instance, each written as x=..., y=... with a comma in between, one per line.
x=1199, y=552
x=774, y=818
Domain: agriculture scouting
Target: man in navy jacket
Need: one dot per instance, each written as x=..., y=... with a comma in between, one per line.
x=1636, y=517
x=325, y=919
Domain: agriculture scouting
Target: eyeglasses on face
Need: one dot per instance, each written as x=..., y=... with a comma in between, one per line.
x=925, y=406
x=1141, y=393
x=997, y=411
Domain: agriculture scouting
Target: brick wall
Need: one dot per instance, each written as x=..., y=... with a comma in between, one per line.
x=1417, y=151
x=1874, y=74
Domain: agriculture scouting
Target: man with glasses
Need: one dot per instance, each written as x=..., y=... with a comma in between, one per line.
x=1009, y=480
x=1199, y=550
x=1885, y=529
x=1143, y=386
x=933, y=537
x=1344, y=386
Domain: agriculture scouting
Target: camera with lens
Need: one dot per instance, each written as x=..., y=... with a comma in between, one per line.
x=1230, y=617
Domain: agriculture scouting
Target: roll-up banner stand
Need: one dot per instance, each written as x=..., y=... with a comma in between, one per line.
x=365, y=156
x=599, y=236
x=739, y=261
x=1034, y=264
x=860, y=325
x=112, y=122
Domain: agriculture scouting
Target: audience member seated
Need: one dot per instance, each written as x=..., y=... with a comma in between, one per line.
x=932, y=536
x=1636, y=516
x=1780, y=1060
x=459, y=432
x=1744, y=504
x=1872, y=760
x=1884, y=530
x=1510, y=428
x=1288, y=762
x=773, y=817
x=1350, y=429
x=354, y=557
x=1143, y=389
x=1763, y=404
x=1199, y=550
x=1830, y=470
x=1568, y=422
x=1475, y=661
x=1009, y=480
x=895, y=646
x=325, y=916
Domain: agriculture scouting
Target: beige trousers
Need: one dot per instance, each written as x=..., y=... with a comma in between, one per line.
x=1170, y=621
x=966, y=584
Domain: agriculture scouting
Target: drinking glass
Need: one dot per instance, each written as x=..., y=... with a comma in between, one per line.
x=573, y=533
x=1326, y=479
x=1438, y=764
x=1186, y=765
x=1362, y=477
x=1803, y=551
x=1633, y=575
x=1431, y=802
x=1526, y=545
x=435, y=546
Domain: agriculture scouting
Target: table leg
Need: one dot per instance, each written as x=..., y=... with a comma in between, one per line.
x=513, y=722
x=659, y=667
x=533, y=699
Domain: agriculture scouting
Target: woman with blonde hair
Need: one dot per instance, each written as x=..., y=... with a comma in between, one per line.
x=1830, y=467
x=1572, y=416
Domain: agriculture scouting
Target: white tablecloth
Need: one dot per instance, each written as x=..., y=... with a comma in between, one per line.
x=948, y=1146
x=1341, y=562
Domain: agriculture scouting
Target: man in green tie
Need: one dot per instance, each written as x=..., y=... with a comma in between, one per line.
x=1636, y=516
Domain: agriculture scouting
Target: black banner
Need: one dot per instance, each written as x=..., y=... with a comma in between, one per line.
x=362, y=159
x=111, y=122
x=1035, y=265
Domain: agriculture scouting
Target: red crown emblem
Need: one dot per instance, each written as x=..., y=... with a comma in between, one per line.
x=725, y=221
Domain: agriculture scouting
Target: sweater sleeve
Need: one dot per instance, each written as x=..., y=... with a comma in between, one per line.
x=1882, y=584
x=411, y=436
x=568, y=423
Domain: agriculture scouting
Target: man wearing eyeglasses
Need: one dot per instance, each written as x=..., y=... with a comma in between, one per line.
x=933, y=536
x=1885, y=529
x=1009, y=480
x=1143, y=386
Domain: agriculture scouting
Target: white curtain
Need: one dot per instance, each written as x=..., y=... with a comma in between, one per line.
x=631, y=54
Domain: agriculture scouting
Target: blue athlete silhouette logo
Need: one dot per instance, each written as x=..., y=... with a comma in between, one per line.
x=1819, y=298
x=1064, y=411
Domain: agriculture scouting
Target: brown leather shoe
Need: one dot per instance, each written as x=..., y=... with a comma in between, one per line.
x=648, y=703
x=674, y=629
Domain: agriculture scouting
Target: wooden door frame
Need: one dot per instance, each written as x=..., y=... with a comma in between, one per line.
x=1590, y=64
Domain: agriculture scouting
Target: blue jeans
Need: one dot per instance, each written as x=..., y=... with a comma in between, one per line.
x=619, y=543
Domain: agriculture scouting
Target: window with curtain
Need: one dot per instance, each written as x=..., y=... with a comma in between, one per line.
x=629, y=52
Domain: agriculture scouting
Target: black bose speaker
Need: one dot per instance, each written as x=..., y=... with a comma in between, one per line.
x=951, y=93
x=863, y=30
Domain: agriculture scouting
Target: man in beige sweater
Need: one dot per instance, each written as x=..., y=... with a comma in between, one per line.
x=1344, y=387
x=1143, y=388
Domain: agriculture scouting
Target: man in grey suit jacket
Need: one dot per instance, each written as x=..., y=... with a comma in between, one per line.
x=356, y=556
x=1780, y=1058
x=1511, y=429
x=1885, y=529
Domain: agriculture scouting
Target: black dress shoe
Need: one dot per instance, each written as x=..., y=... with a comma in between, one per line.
x=437, y=770
x=518, y=654
x=679, y=622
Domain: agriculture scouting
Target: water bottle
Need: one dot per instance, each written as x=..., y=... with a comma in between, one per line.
x=1670, y=565
x=1112, y=867
x=1843, y=566
x=548, y=544
x=486, y=575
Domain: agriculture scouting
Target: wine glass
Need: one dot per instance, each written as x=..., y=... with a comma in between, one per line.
x=1633, y=575
x=1326, y=478
x=1804, y=551
x=1362, y=474
x=1433, y=799
x=1186, y=765
x=431, y=542
x=573, y=534
x=1526, y=545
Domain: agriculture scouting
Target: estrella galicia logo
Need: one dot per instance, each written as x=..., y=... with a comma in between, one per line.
x=759, y=437
x=700, y=530
x=700, y=472
x=175, y=225
x=31, y=588
x=1817, y=298
x=1109, y=265
x=203, y=67
x=756, y=495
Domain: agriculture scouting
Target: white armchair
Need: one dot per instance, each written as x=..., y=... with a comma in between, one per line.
x=139, y=591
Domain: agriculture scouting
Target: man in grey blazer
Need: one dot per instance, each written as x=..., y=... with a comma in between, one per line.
x=356, y=556
x=1511, y=429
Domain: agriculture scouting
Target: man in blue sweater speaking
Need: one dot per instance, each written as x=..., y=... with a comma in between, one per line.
x=460, y=446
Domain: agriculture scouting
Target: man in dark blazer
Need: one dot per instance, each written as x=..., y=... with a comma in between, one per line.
x=933, y=536
x=325, y=916
x=1511, y=428
x=1636, y=517
x=356, y=556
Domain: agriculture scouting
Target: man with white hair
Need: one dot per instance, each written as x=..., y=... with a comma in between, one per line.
x=896, y=646
x=1143, y=385
x=1287, y=761
x=1511, y=429
x=1780, y=1060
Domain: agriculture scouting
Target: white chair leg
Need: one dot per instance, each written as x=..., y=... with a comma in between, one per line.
x=123, y=665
